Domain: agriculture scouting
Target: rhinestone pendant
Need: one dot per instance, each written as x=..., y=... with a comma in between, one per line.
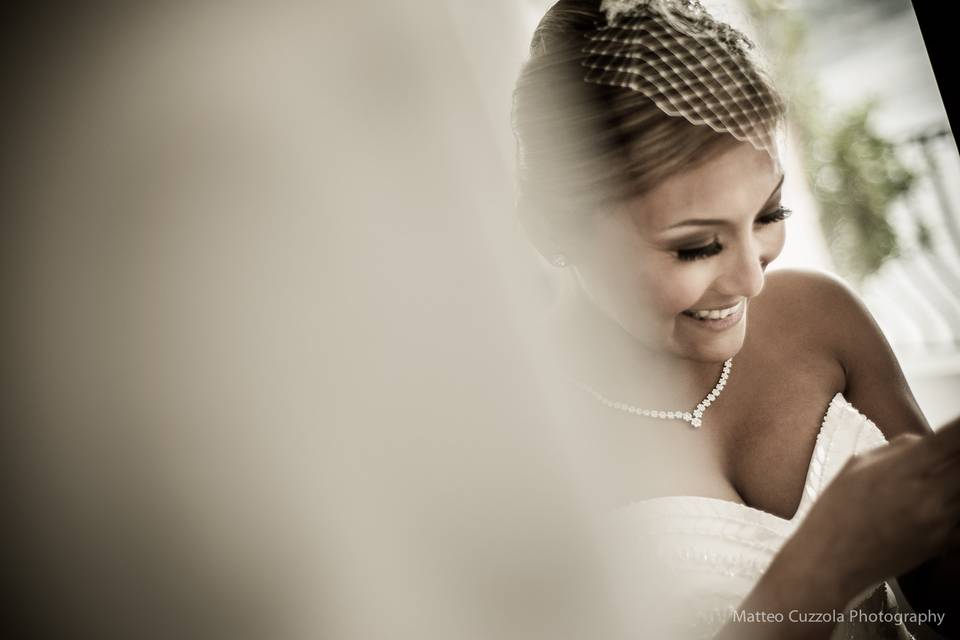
x=695, y=417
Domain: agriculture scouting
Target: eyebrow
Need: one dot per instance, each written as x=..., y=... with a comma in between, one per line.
x=717, y=221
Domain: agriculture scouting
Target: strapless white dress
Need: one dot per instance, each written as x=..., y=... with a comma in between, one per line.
x=687, y=562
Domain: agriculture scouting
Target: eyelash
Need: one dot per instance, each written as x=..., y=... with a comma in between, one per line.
x=712, y=249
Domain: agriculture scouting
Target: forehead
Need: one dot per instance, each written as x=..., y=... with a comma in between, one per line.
x=731, y=185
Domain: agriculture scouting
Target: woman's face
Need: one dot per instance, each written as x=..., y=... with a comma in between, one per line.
x=701, y=240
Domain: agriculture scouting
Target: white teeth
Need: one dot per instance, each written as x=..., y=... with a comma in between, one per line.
x=716, y=314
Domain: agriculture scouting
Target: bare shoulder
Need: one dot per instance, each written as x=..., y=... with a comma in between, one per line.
x=805, y=287
x=828, y=311
x=814, y=308
x=832, y=319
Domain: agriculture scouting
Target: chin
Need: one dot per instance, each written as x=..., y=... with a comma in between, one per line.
x=719, y=349
x=712, y=356
x=710, y=346
x=727, y=348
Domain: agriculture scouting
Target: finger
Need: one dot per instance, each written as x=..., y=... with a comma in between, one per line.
x=946, y=468
x=946, y=490
x=952, y=498
x=948, y=478
x=953, y=541
x=943, y=445
x=904, y=441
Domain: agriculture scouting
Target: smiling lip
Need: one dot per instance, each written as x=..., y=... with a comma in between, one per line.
x=721, y=324
x=725, y=306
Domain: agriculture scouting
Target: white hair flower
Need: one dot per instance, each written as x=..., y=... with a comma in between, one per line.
x=692, y=9
x=613, y=8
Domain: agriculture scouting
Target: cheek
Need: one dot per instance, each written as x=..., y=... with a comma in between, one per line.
x=673, y=287
x=618, y=271
x=635, y=289
x=779, y=240
x=641, y=287
x=685, y=286
x=610, y=281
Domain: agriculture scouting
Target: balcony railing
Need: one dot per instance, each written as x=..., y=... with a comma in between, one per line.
x=915, y=297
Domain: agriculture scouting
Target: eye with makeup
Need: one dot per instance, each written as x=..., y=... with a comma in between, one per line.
x=777, y=215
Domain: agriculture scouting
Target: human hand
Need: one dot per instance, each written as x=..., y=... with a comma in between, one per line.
x=888, y=510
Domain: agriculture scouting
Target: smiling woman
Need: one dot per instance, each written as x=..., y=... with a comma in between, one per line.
x=638, y=263
x=650, y=171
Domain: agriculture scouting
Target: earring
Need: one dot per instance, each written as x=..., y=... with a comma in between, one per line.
x=559, y=260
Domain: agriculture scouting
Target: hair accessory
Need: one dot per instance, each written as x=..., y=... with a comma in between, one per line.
x=694, y=417
x=692, y=9
x=689, y=64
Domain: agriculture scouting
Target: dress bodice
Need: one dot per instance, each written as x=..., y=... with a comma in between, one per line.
x=690, y=560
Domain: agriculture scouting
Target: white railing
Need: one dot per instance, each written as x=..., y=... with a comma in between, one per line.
x=916, y=297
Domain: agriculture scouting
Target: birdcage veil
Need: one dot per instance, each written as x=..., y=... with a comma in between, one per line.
x=690, y=63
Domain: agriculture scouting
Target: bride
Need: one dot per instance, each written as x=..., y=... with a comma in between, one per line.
x=767, y=470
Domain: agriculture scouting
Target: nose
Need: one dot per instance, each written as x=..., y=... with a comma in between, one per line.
x=744, y=272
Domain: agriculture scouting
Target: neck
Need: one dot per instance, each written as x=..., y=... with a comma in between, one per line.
x=596, y=351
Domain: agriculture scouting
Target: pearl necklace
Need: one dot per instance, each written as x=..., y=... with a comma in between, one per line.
x=695, y=417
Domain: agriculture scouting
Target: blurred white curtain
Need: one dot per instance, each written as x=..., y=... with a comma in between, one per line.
x=274, y=375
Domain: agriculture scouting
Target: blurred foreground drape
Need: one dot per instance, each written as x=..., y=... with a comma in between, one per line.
x=269, y=374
